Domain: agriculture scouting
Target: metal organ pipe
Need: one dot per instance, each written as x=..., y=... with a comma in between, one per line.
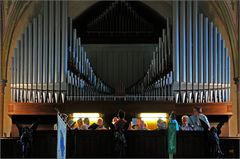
x=206, y=62
x=14, y=77
x=45, y=51
x=189, y=53
x=30, y=62
x=215, y=36
x=51, y=52
x=35, y=60
x=40, y=60
x=26, y=65
x=210, y=62
x=200, y=58
x=22, y=69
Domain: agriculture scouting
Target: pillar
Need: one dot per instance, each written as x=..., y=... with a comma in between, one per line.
x=2, y=83
x=238, y=81
x=238, y=104
x=2, y=87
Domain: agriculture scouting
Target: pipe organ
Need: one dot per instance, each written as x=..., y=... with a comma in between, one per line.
x=190, y=64
x=50, y=65
x=157, y=82
x=201, y=62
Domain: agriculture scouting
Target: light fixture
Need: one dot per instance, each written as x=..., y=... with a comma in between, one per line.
x=153, y=115
x=93, y=117
x=151, y=119
x=86, y=115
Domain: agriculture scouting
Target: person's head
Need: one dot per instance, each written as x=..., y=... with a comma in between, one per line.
x=114, y=120
x=138, y=123
x=213, y=130
x=197, y=110
x=100, y=122
x=64, y=117
x=161, y=124
x=86, y=121
x=145, y=126
x=185, y=119
x=173, y=115
x=121, y=114
x=79, y=122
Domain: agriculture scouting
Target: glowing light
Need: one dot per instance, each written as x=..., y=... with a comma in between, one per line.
x=153, y=115
x=153, y=119
x=93, y=117
x=75, y=119
x=86, y=115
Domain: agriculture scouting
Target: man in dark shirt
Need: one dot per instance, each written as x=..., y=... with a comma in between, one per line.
x=120, y=128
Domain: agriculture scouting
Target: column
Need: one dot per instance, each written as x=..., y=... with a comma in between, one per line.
x=238, y=105
x=1, y=31
x=2, y=83
x=2, y=88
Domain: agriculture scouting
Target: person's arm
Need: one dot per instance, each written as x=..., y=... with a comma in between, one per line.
x=205, y=119
x=177, y=126
x=191, y=122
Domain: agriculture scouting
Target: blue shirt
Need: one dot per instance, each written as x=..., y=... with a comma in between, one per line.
x=176, y=123
x=194, y=120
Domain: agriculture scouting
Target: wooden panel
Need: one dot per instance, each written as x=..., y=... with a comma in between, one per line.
x=113, y=107
x=101, y=144
x=31, y=109
x=208, y=108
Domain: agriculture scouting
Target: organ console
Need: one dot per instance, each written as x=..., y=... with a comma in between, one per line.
x=190, y=63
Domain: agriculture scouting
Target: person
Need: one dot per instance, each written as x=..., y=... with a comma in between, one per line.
x=100, y=124
x=185, y=124
x=114, y=120
x=71, y=124
x=198, y=120
x=174, y=120
x=26, y=135
x=215, y=149
x=143, y=125
x=79, y=124
x=119, y=134
x=86, y=123
x=136, y=124
x=161, y=125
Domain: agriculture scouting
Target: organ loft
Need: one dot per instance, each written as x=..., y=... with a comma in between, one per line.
x=90, y=59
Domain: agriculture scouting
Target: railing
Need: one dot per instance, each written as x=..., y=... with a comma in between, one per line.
x=101, y=144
